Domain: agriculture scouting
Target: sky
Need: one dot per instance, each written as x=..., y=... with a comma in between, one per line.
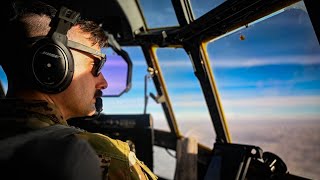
x=275, y=70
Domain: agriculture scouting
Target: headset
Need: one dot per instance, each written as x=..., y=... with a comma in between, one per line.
x=52, y=64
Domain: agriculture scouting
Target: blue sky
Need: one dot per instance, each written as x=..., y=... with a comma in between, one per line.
x=274, y=72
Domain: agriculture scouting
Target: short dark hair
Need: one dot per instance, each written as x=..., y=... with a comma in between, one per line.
x=39, y=8
x=26, y=24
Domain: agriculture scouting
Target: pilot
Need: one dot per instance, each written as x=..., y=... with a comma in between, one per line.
x=54, y=79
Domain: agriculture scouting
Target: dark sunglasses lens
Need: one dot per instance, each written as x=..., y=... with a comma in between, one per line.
x=98, y=66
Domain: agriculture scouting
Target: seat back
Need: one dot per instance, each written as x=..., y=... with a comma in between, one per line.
x=49, y=153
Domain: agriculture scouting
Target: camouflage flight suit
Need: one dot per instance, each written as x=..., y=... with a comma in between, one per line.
x=117, y=161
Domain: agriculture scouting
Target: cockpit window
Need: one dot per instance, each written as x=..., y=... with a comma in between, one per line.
x=186, y=95
x=268, y=77
x=133, y=102
x=200, y=7
x=158, y=13
x=3, y=81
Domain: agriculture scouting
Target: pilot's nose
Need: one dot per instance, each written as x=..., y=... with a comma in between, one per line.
x=102, y=82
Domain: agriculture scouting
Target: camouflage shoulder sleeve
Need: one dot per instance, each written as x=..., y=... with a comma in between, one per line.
x=117, y=161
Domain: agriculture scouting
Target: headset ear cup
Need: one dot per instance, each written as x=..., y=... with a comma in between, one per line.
x=52, y=65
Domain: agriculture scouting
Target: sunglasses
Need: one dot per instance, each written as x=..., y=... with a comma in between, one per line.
x=98, y=62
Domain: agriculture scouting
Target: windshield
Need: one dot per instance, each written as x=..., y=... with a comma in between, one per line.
x=158, y=13
x=268, y=77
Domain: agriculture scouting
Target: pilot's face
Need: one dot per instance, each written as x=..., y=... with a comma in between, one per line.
x=80, y=97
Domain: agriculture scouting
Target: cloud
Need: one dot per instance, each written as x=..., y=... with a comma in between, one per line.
x=280, y=60
x=179, y=63
x=184, y=84
x=197, y=100
x=238, y=117
x=190, y=107
x=276, y=101
x=266, y=83
x=233, y=62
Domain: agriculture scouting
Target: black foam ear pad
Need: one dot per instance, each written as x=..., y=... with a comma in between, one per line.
x=52, y=65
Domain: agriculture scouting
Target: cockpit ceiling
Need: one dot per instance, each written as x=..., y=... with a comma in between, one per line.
x=122, y=18
x=125, y=20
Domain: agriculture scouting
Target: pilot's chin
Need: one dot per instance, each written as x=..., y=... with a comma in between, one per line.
x=93, y=111
x=91, y=114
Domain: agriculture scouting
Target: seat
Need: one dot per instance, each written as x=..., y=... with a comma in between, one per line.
x=49, y=153
x=47, y=158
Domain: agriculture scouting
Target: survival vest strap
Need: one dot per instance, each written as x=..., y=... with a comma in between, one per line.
x=58, y=131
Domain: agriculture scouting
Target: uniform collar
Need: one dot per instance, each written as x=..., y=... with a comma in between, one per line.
x=33, y=113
